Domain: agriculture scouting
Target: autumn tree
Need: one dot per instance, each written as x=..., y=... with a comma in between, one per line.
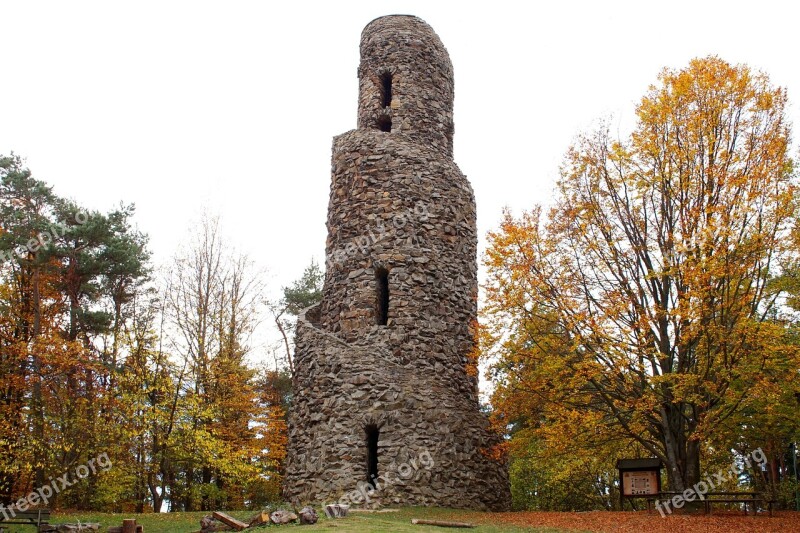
x=213, y=305
x=639, y=306
x=274, y=391
x=96, y=358
x=150, y=384
x=63, y=270
x=28, y=312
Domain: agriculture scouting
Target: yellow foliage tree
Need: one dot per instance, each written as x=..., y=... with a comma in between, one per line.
x=640, y=306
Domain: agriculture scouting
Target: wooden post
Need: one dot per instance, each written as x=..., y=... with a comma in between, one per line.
x=129, y=525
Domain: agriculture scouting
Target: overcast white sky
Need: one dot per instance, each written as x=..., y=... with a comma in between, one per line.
x=232, y=105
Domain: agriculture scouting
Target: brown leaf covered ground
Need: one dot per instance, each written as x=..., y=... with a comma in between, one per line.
x=399, y=521
x=642, y=522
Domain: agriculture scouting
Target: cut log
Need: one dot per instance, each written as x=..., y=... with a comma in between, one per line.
x=336, y=510
x=259, y=519
x=129, y=525
x=440, y=523
x=229, y=521
x=118, y=529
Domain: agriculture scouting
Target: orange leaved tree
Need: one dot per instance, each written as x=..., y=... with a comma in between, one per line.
x=641, y=305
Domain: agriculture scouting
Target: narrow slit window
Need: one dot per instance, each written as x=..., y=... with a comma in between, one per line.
x=372, y=454
x=386, y=89
x=382, y=296
x=385, y=123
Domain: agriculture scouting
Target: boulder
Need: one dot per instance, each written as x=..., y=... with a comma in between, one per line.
x=336, y=510
x=308, y=515
x=282, y=517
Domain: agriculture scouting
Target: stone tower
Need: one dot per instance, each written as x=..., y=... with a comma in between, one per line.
x=384, y=404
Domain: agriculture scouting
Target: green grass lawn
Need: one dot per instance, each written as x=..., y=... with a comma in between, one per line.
x=395, y=522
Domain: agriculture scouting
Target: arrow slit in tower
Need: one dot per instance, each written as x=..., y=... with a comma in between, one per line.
x=381, y=296
x=372, y=454
x=385, y=119
x=386, y=88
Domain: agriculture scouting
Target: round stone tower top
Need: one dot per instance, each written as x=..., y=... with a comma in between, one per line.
x=406, y=82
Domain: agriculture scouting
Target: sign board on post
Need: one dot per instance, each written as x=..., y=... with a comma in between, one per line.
x=640, y=483
x=639, y=478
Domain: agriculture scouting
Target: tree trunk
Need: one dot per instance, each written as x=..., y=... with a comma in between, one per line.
x=38, y=408
x=206, y=501
x=158, y=499
x=285, y=343
x=682, y=453
x=188, y=502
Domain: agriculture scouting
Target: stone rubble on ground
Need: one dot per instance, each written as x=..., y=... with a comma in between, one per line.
x=308, y=516
x=282, y=516
x=336, y=510
x=69, y=528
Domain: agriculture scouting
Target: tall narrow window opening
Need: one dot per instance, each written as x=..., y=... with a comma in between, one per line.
x=386, y=89
x=382, y=296
x=372, y=454
x=385, y=123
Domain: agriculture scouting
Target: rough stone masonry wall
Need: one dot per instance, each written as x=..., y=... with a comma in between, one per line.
x=399, y=204
x=348, y=386
x=422, y=81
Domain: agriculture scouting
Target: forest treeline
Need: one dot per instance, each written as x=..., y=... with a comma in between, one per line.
x=99, y=354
